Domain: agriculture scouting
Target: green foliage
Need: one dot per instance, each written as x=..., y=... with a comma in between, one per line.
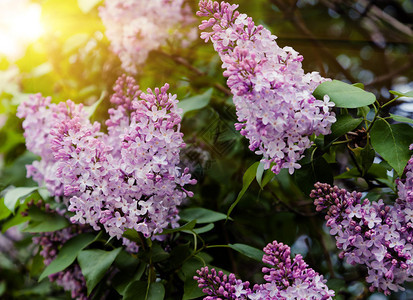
x=68, y=254
x=94, y=264
x=344, y=95
x=392, y=142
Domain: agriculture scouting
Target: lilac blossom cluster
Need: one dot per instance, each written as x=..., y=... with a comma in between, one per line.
x=40, y=117
x=287, y=279
x=126, y=179
x=373, y=234
x=276, y=110
x=136, y=27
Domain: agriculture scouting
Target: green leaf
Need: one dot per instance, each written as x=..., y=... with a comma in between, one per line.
x=392, y=143
x=248, y=251
x=364, y=157
x=188, y=271
x=14, y=195
x=92, y=108
x=158, y=253
x=87, y=5
x=204, y=229
x=67, y=254
x=260, y=172
x=138, y=290
x=344, y=124
x=133, y=235
x=406, y=94
x=201, y=215
x=94, y=264
x=247, y=179
x=358, y=85
x=4, y=211
x=309, y=173
x=48, y=223
x=196, y=102
x=344, y=95
x=401, y=119
x=188, y=226
x=156, y=291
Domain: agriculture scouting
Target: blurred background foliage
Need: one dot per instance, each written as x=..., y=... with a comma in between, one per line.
x=355, y=41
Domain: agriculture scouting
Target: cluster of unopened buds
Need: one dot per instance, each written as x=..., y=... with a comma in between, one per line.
x=276, y=110
x=286, y=279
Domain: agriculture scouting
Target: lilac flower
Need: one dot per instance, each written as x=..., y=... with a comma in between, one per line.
x=126, y=179
x=40, y=116
x=272, y=94
x=287, y=279
x=136, y=27
x=370, y=233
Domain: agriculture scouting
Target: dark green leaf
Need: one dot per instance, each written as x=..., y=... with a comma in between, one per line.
x=49, y=222
x=392, y=143
x=156, y=291
x=67, y=254
x=13, y=195
x=204, y=229
x=94, y=264
x=344, y=124
x=310, y=173
x=188, y=226
x=247, y=179
x=196, y=102
x=136, y=291
x=364, y=157
x=201, y=215
x=401, y=119
x=344, y=95
x=248, y=251
x=158, y=253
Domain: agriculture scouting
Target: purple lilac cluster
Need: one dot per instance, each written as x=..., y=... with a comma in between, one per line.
x=287, y=279
x=136, y=27
x=126, y=179
x=40, y=117
x=273, y=97
x=373, y=234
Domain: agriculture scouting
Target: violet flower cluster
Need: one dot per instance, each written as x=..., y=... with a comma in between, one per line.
x=276, y=110
x=286, y=279
x=126, y=179
x=373, y=234
x=136, y=27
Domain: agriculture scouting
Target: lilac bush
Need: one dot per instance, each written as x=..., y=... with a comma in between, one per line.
x=276, y=110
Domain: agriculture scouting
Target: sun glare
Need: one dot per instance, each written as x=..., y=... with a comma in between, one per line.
x=20, y=24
